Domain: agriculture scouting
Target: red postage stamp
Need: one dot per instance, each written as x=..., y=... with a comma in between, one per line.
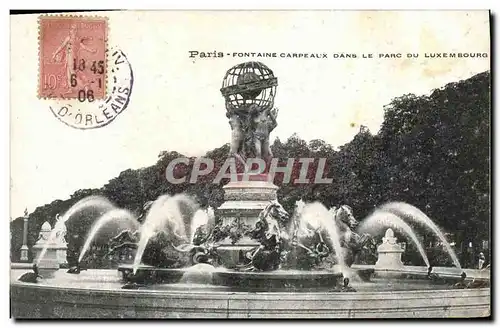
x=72, y=57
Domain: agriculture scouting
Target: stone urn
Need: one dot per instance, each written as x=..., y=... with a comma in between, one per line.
x=389, y=256
x=49, y=263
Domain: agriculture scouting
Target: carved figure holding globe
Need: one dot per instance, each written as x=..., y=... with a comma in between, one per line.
x=237, y=133
x=249, y=90
x=264, y=123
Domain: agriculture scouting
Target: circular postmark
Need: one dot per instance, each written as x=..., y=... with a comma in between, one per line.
x=88, y=113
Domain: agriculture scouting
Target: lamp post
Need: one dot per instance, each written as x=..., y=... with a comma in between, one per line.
x=24, y=247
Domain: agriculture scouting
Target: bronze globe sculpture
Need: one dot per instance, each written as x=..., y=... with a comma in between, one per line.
x=250, y=83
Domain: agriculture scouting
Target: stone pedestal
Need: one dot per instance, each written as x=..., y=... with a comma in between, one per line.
x=49, y=263
x=24, y=253
x=389, y=253
x=62, y=254
x=244, y=200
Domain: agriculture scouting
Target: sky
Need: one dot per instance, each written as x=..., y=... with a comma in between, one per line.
x=176, y=102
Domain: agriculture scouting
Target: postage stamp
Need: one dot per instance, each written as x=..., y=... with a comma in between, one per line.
x=87, y=81
x=72, y=56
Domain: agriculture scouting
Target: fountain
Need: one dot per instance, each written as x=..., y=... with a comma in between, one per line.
x=60, y=226
x=117, y=217
x=309, y=274
x=49, y=262
x=257, y=243
x=250, y=258
x=50, y=248
x=414, y=214
x=389, y=252
x=380, y=219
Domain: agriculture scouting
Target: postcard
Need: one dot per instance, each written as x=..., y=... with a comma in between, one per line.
x=250, y=164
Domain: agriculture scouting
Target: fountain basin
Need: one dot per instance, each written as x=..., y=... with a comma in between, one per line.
x=279, y=280
x=150, y=274
x=98, y=294
x=289, y=280
x=450, y=274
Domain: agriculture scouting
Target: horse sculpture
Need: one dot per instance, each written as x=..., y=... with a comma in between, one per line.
x=284, y=242
x=350, y=242
x=125, y=238
x=270, y=231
